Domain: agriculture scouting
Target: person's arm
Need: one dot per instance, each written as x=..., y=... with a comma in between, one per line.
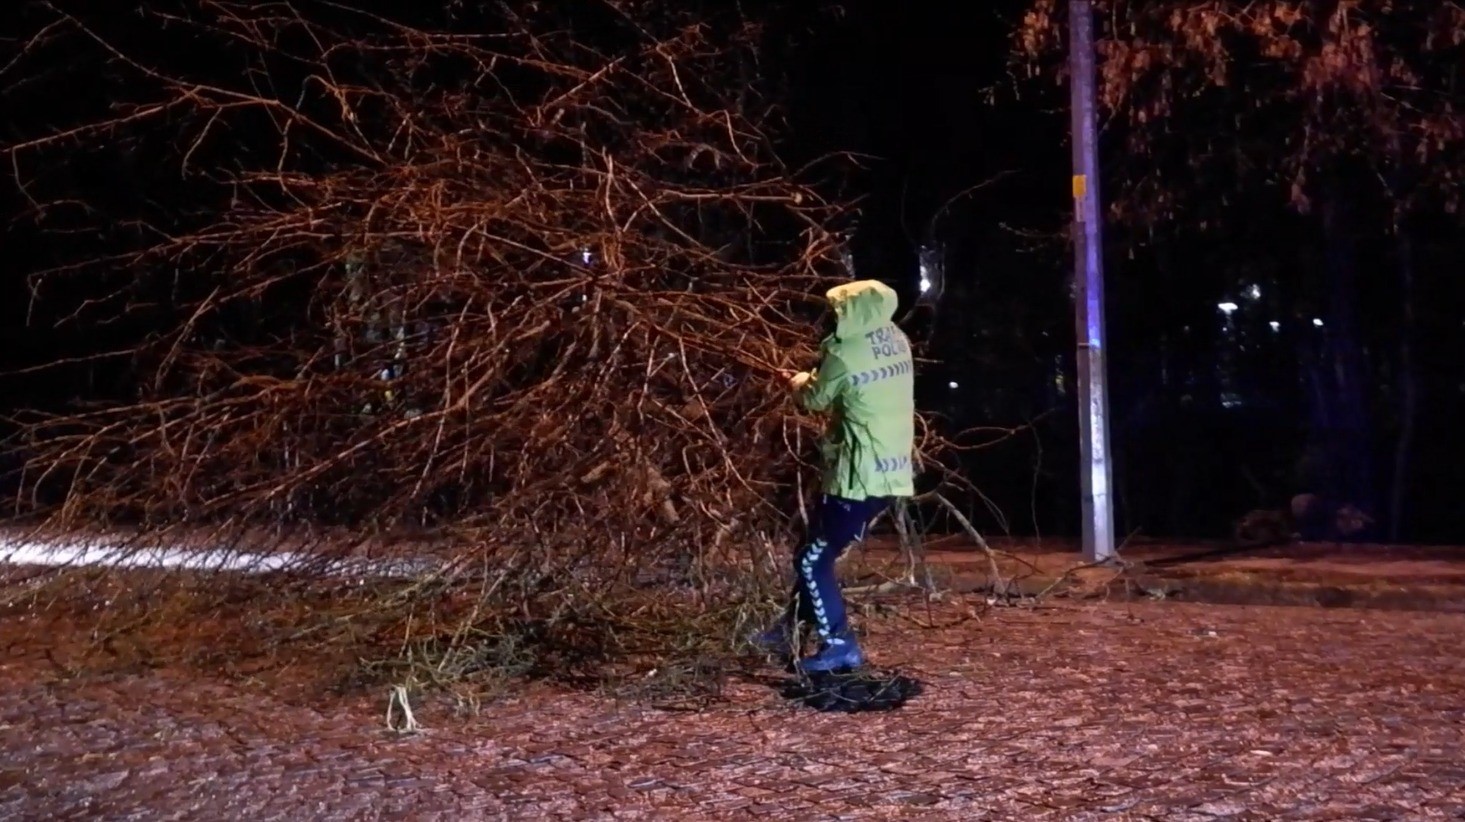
x=817, y=391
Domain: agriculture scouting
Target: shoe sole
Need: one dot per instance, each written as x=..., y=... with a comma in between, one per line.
x=843, y=667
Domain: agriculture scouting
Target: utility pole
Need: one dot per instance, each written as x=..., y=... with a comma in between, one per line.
x=1088, y=288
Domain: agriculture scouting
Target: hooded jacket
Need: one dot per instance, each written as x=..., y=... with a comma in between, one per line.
x=865, y=382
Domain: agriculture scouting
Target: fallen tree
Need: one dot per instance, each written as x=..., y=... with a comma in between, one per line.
x=516, y=300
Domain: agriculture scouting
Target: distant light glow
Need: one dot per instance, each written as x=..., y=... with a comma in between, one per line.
x=925, y=284
x=1255, y=292
x=1317, y=323
x=585, y=256
x=952, y=385
x=1227, y=308
x=1276, y=326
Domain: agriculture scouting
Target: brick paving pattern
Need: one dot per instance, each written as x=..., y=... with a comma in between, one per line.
x=1097, y=711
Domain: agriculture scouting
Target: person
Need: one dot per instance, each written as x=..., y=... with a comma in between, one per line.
x=865, y=384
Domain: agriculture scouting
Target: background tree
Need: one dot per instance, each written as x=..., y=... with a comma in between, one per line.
x=1322, y=139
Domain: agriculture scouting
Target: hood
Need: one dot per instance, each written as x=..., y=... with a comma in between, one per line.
x=861, y=306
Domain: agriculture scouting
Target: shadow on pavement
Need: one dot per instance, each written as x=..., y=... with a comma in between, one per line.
x=856, y=691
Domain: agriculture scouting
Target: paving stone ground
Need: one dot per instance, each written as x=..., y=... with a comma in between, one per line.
x=1390, y=577
x=1073, y=711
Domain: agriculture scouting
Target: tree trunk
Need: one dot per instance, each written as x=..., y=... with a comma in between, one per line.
x=1341, y=445
x=1409, y=377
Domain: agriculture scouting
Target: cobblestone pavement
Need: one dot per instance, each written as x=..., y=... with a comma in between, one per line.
x=1133, y=711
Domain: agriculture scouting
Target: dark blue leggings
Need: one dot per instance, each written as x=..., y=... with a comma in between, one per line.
x=838, y=523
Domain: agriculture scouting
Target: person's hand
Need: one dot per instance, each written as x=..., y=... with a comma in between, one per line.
x=799, y=380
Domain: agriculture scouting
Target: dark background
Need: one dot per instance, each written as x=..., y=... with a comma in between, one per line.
x=1211, y=417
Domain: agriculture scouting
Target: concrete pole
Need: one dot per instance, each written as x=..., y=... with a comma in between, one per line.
x=1088, y=271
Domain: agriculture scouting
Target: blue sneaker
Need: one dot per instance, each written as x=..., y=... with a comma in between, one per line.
x=839, y=653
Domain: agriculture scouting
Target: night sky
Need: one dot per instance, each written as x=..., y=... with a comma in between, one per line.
x=908, y=86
